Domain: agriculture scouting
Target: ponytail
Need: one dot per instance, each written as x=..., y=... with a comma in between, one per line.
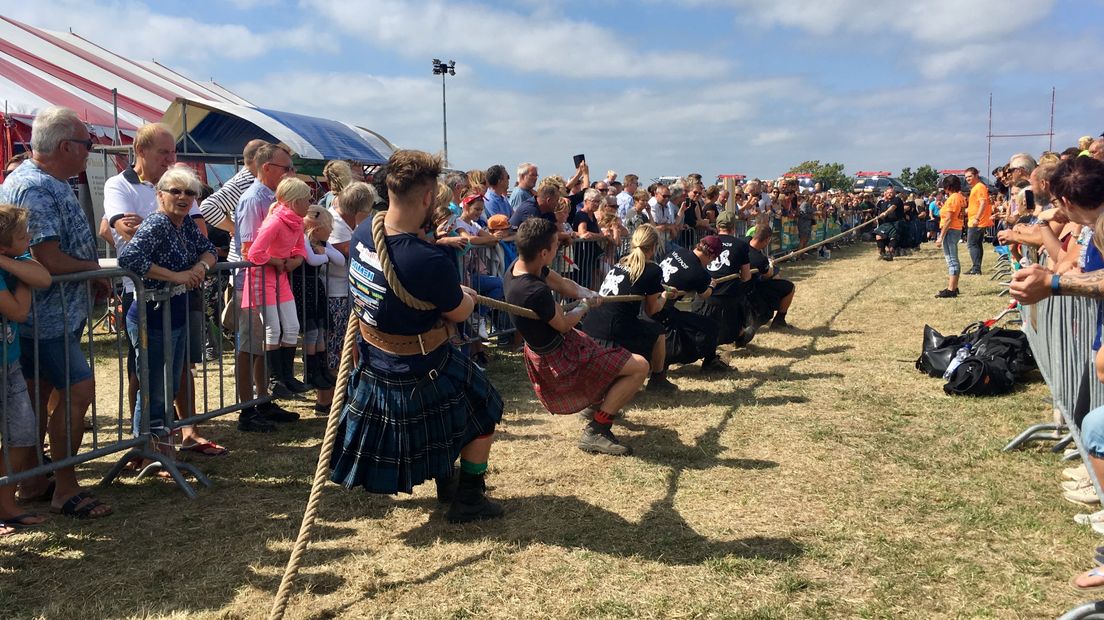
x=644, y=239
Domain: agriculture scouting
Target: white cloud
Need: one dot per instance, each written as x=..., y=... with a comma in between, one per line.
x=537, y=42
x=132, y=29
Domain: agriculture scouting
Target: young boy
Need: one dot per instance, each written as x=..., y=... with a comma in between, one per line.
x=18, y=273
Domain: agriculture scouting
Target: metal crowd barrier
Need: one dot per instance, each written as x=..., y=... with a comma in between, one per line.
x=107, y=434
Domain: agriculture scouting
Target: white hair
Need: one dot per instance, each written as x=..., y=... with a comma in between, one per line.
x=523, y=169
x=51, y=126
x=179, y=176
x=1022, y=160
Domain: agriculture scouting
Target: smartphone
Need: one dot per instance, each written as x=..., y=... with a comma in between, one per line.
x=1029, y=198
x=580, y=158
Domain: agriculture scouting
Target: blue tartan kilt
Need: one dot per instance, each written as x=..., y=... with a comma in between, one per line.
x=398, y=431
x=890, y=230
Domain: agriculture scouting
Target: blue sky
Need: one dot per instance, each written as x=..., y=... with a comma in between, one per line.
x=655, y=88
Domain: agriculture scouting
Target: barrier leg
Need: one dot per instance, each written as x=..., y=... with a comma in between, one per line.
x=1088, y=611
x=1038, y=432
x=1062, y=443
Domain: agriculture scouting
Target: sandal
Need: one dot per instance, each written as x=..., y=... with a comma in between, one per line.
x=206, y=448
x=19, y=522
x=1096, y=572
x=73, y=507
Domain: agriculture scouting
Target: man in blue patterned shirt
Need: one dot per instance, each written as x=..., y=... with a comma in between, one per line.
x=62, y=241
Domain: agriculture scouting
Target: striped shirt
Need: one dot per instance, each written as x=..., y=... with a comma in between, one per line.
x=221, y=204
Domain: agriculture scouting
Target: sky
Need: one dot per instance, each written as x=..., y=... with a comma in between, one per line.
x=651, y=88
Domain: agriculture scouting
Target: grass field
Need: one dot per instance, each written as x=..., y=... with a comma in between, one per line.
x=826, y=478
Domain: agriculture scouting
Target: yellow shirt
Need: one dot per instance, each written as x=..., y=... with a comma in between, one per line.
x=950, y=214
x=979, y=208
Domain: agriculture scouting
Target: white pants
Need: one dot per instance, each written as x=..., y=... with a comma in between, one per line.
x=281, y=325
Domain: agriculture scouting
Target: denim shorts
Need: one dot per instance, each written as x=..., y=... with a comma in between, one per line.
x=52, y=366
x=20, y=427
x=1092, y=432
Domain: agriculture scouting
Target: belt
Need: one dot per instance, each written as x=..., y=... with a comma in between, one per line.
x=419, y=344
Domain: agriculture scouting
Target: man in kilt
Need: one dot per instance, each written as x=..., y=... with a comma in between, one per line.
x=891, y=212
x=414, y=402
x=570, y=371
x=726, y=306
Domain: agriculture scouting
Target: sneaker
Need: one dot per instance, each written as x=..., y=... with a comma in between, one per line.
x=484, y=334
x=1073, y=485
x=1075, y=473
x=780, y=324
x=973, y=272
x=602, y=441
x=322, y=410
x=274, y=413
x=1085, y=496
x=250, y=421
x=1097, y=526
x=279, y=390
x=1087, y=519
x=715, y=365
x=887, y=256
x=661, y=385
x=947, y=293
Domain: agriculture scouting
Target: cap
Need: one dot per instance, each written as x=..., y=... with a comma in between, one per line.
x=470, y=199
x=726, y=219
x=712, y=243
x=498, y=222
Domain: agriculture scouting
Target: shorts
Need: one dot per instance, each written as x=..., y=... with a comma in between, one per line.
x=51, y=362
x=20, y=427
x=250, y=331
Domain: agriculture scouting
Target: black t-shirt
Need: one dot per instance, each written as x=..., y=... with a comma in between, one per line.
x=897, y=214
x=759, y=262
x=605, y=320
x=588, y=218
x=576, y=199
x=529, y=210
x=682, y=270
x=532, y=292
x=690, y=218
x=734, y=255
x=426, y=272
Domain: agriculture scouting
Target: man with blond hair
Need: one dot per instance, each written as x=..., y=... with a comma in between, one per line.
x=526, y=181
x=62, y=241
x=625, y=198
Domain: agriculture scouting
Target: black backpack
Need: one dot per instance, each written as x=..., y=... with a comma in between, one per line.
x=979, y=376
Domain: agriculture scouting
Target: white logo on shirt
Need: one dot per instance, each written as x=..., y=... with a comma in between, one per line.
x=612, y=284
x=669, y=268
x=720, y=261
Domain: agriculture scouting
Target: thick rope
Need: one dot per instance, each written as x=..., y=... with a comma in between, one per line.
x=321, y=472
x=379, y=238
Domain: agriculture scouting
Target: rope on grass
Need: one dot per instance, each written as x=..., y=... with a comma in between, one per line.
x=279, y=606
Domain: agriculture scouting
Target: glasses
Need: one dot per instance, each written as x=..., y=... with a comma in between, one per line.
x=176, y=191
x=87, y=143
x=288, y=168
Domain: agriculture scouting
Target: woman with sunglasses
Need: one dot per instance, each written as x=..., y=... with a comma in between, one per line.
x=167, y=250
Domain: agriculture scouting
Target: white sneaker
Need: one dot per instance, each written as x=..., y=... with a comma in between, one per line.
x=1075, y=473
x=1087, y=519
x=483, y=333
x=1073, y=485
x=1085, y=496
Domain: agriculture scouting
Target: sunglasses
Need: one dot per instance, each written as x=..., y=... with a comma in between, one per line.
x=87, y=143
x=176, y=191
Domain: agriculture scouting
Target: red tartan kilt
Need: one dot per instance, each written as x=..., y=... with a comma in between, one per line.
x=576, y=375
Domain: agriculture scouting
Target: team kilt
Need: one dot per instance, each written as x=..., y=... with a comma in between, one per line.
x=575, y=375
x=889, y=230
x=727, y=312
x=398, y=431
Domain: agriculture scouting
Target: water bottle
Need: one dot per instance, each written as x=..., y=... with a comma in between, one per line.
x=962, y=354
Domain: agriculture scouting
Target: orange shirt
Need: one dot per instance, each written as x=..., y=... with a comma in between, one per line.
x=980, y=208
x=951, y=213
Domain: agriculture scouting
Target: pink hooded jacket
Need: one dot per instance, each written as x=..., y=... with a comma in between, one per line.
x=280, y=236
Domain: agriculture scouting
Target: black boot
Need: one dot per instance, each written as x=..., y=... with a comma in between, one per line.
x=276, y=375
x=272, y=412
x=316, y=374
x=251, y=421
x=446, y=487
x=470, y=502
x=288, y=366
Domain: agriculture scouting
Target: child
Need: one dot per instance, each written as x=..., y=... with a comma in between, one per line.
x=310, y=294
x=279, y=249
x=18, y=273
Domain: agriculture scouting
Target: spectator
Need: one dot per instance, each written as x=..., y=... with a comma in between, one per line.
x=713, y=205
x=351, y=207
x=218, y=209
x=494, y=201
x=1096, y=149
x=477, y=182
x=63, y=242
x=979, y=211
x=167, y=249
x=544, y=205
x=639, y=214
x=459, y=185
x=625, y=198
x=18, y=274
x=523, y=193
x=338, y=174
x=308, y=286
x=273, y=164
x=279, y=248
x=806, y=219
x=478, y=274
x=13, y=162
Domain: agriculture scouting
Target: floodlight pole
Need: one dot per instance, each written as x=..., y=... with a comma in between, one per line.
x=443, y=69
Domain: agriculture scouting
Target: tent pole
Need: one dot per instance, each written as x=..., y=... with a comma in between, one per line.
x=115, y=113
x=184, y=119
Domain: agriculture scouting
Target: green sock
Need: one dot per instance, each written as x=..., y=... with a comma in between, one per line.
x=473, y=469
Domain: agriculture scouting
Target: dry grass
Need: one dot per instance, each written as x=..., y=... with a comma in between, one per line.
x=825, y=479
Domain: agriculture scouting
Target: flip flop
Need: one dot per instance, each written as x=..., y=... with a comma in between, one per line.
x=1096, y=572
x=72, y=507
x=206, y=448
x=19, y=522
